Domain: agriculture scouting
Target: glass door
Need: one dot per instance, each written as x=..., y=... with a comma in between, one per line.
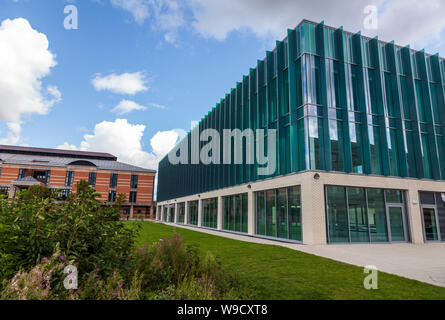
x=396, y=223
x=430, y=223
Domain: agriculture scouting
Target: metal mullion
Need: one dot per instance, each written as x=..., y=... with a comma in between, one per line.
x=388, y=227
x=367, y=215
x=347, y=213
x=287, y=213
x=276, y=213
x=436, y=212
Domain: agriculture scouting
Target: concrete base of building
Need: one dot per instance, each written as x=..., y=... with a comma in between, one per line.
x=313, y=200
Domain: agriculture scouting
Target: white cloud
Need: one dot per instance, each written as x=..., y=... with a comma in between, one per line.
x=124, y=140
x=138, y=8
x=404, y=21
x=24, y=61
x=412, y=22
x=157, y=105
x=126, y=83
x=165, y=15
x=127, y=106
x=265, y=18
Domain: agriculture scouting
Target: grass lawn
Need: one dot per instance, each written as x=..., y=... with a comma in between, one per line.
x=279, y=273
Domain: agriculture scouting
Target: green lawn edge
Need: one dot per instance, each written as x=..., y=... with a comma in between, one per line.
x=279, y=273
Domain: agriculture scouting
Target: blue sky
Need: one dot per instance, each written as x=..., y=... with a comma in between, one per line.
x=185, y=55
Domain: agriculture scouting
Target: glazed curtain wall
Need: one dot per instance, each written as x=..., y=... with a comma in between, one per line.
x=210, y=213
x=360, y=215
x=180, y=213
x=339, y=102
x=193, y=213
x=235, y=213
x=278, y=213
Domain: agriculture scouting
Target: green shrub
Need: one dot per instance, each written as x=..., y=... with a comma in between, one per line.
x=87, y=233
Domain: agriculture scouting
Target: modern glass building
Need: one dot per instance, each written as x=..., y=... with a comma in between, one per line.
x=360, y=136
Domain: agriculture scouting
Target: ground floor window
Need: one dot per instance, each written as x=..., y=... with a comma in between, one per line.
x=235, y=213
x=181, y=213
x=210, y=213
x=278, y=213
x=193, y=213
x=4, y=191
x=168, y=213
x=361, y=215
x=433, y=214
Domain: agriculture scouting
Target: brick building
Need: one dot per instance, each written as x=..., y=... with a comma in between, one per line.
x=60, y=170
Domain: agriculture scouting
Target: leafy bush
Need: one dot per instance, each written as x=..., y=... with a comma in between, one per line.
x=85, y=231
x=170, y=270
x=88, y=234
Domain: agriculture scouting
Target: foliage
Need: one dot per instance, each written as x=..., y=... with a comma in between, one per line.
x=88, y=234
x=38, y=191
x=171, y=270
x=85, y=231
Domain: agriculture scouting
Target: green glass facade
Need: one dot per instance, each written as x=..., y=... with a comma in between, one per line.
x=193, y=213
x=210, y=213
x=180, y=213
x=278, y=214
x=235, y=213
x=339, y=102
x=363, y=215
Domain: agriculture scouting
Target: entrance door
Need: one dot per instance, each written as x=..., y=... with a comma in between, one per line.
x=396, y=222
x=430, y=223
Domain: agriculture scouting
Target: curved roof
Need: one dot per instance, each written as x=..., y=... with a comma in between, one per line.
x=57, y=161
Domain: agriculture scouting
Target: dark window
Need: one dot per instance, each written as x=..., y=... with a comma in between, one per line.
x=92, y=179
x=134, y=181
x=113, y=180
x=4, y=191
x=62, y=194
x=69, y=178
x=47, y=176
x=112, y=196
x=133, y=196
x=22, y=173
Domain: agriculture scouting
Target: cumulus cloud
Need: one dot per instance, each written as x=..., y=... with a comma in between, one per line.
x=25, y=59
x=138, y=8
x=126, y=83
x=124, y=140
x=412, y=22
x=164, y=15
x=270, y=19
x=127, y=106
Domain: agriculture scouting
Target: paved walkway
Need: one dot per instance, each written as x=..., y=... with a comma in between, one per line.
x=425, y=262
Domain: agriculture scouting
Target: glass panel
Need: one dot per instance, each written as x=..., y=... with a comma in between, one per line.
x=294, y=214
x=356, y=147
x=429, y=221
x=394, y=196
x=271, y=214
x=441, y=213
x=396, y=223
x=244, y=213
x=337, y=145
x=260, y=214
x=377, y=215
x=427, y=198
x=282, y=213
x=337, y=215
x=358, y=221
x=237, y=217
